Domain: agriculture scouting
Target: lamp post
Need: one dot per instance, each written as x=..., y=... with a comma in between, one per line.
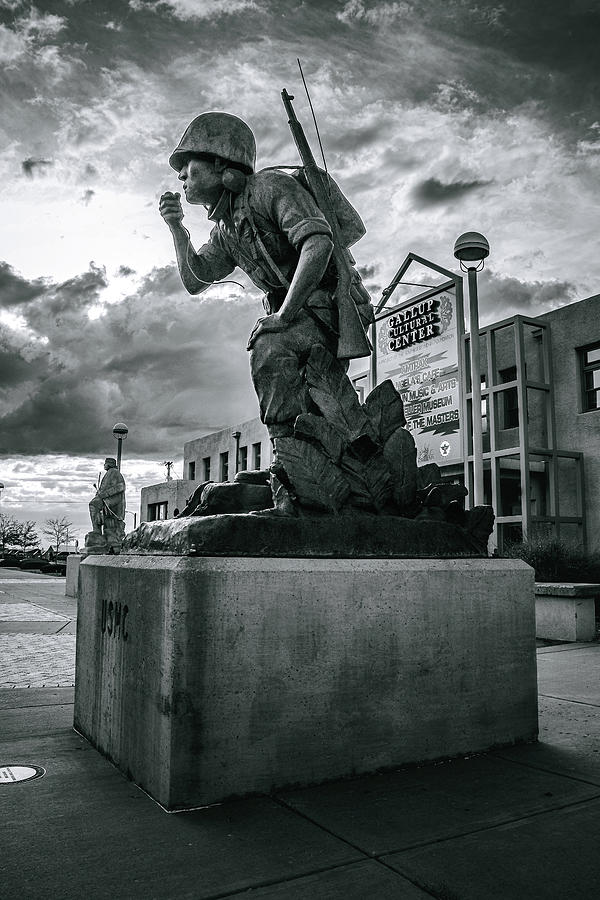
x=120, y=431
x=237, y=435
x=471, y=249
x=1, y=489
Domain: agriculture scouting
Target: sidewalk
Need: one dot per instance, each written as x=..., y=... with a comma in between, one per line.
x=515, y=824
x=37, y=631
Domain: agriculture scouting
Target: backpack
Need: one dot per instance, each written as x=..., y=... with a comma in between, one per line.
x=351, y=225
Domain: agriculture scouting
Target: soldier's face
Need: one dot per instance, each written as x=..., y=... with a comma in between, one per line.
x=201, y=182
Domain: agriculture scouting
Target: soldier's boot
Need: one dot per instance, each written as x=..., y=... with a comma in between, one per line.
x=284, y=500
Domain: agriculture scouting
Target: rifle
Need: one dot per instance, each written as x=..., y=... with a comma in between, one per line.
x=353, y=343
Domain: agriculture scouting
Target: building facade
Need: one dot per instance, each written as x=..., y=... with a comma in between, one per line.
x=218, y=456
x=165, y=500
x=214, y=457
x=540, y=420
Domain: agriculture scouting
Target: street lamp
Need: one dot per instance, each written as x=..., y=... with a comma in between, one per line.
x=237, y=435
x=471, y=249
x=1, y=489
x=120, y=431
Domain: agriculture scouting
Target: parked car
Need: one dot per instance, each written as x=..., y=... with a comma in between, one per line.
x=56, y=566
x=33, y=562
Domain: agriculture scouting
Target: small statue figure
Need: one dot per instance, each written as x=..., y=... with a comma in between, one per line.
x=107, y=512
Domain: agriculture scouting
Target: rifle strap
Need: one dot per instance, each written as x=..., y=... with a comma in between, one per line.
x=112, y=512
x=268, y=259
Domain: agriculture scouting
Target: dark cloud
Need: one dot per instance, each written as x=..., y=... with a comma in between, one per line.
x=558, y=35
x=502, y=53
x=87, y=196
x=353, y=139
x=63, y=303
x=501, y=297
x=125, y=271
x=488, y=55
x=14, y=368
x=169, y=365
x=432, y=191
x=552, y=45
x=15, y=290
x=32, y=165
x=367, y=272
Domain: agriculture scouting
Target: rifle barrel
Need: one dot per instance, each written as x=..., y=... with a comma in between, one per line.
x=353, y=342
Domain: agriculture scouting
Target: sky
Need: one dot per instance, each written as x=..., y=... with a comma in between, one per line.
x=436, y=117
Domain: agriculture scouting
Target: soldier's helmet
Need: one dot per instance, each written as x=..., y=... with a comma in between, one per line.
x=217, y=134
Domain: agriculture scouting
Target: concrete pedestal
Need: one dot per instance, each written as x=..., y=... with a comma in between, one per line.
x=566, y=612
x=203, y=678
x=72, y=580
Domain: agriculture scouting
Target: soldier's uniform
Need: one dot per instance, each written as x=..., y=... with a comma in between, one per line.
x=261, y=230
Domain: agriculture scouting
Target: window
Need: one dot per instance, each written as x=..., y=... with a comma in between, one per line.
x=256, y=457
x=224, y=474
x=157, y=511
x=510, y=400
x=206, y=468
x=590, y=377
x=243, y=460
x=192, y=471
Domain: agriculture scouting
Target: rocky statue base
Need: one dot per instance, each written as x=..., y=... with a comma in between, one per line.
x=110, y=541
x=355, y=535
x=203, y=678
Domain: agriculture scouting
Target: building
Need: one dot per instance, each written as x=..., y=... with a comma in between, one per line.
x=166, y=499
x=218, y=456
x=214, y=457
x=540, y=416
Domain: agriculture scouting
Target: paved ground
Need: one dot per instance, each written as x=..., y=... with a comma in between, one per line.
x=37, y=631
x=520, y=823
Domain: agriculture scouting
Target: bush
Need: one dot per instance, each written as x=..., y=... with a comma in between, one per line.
x=553, y=560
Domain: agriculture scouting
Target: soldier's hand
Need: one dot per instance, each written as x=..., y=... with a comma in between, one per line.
x=266, y=323
x=170, y=208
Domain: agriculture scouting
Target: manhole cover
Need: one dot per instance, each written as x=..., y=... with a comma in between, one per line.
x=12, y=774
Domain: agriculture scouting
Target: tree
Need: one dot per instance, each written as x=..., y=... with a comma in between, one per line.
x=58, y=530
x=27, y=538
x=8, y=531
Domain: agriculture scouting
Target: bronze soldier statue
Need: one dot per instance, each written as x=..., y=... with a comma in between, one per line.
x=290, y=233
x=269, y=225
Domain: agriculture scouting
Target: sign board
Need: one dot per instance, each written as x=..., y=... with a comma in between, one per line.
x=417, y=347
